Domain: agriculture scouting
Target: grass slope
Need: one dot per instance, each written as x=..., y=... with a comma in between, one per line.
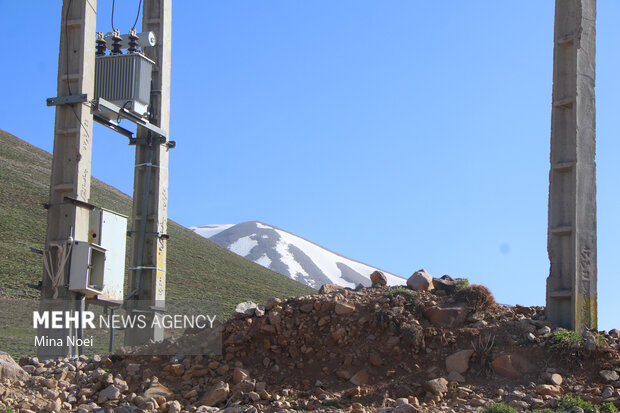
x=198, y=269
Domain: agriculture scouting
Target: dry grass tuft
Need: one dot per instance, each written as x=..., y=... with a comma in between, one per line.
x=477, y=296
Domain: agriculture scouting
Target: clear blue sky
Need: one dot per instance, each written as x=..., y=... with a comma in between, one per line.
x=404, y=134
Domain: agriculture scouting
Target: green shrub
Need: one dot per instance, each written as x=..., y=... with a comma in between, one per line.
x=393, y=292
x=564, y=339
x=569, y=401
x=607, y=407
x=462, y=284
x=500, y=408
x=600, y=340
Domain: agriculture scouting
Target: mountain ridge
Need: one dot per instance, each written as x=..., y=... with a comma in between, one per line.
x=311, y=263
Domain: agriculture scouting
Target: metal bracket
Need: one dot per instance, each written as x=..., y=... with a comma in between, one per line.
x=150, y=165
x=113, y=126
x=156, y=234
x=67, y=100
x=79, y=203
x=146, y=268
x=157, y=140
x=101, y=106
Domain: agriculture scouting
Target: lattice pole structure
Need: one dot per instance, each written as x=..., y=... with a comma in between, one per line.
x=147, y=275
x=571, y=285
x=71, y=164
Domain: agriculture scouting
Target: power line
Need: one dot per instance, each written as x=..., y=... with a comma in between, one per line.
x=137, y=15
x=112, y=16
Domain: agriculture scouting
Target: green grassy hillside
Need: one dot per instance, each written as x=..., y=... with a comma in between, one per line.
x=197, y=268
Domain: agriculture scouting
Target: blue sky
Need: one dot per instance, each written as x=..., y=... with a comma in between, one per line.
x=404, y=134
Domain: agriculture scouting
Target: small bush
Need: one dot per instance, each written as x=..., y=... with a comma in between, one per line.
x=600, y=340
x=564, y=339
x=415, y=333
x=477, y=296
x=393, y=292
x=464, y=283
x=607, y=407
x=569, y=401
x=500, y=408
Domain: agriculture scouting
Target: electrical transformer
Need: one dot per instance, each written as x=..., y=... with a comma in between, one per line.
x=124, y=80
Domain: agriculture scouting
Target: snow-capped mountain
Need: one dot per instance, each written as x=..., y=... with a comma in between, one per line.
x=291, y=255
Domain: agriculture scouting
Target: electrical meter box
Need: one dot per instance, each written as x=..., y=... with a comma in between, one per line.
x=98, y=266
x=124, y=80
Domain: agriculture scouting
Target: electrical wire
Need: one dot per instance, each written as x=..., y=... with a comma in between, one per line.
x=137, y=15
x=118, y=119
x=112, y=17
x=55, y=273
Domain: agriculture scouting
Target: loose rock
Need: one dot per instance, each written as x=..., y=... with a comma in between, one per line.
x=379, y=278
x=420, y=281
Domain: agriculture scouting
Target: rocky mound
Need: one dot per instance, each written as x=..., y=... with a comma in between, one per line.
x=380, y=348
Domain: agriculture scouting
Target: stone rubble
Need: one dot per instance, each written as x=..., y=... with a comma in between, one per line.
x=381, y=349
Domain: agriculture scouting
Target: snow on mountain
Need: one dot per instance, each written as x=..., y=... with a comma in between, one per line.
x=291, y=255
x=208, y=231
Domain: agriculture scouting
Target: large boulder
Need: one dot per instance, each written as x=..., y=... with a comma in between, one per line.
x=360, y=378
x=420, y=281
x=449, y=316
x=248, y=309
x=379, y=278
x=343, y=309
x=446, y=283
x=459, y=361
x=9, y=369
x=111, y=392
x=330, y=288
x=437, y=386
x=216, y=395
x=511, y=365
x=156, y=390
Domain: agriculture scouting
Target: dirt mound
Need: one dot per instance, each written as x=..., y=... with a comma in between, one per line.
x=376, y=348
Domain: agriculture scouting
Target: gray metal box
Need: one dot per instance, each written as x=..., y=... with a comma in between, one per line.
x=87, y=268
x=108, y=229
x=98, y=266
x=124, y=80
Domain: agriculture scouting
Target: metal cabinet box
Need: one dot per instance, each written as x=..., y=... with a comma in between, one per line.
x=98, y=266
x=108, y=229
x=87, y=268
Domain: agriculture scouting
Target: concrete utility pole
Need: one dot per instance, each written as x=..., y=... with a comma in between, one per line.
x=71, y=162
x=147, y=275
x=571, y=239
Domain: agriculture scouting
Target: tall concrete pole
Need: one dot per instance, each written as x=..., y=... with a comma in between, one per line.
x=71, y=162
x=571, y=239
x=147, y=275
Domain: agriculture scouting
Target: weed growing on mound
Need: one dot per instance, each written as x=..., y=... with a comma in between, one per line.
x=569, y=401
x=415, y=333
x=564, y=339
x=461, y=285
x=402, y=296
x=500, y=408
x=393, y=292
